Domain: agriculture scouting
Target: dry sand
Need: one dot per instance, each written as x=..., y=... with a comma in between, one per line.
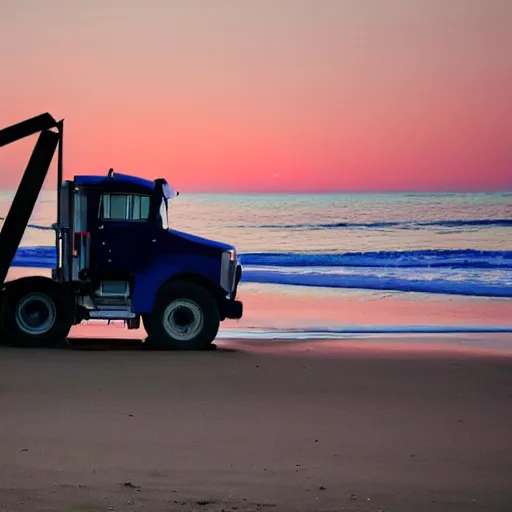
x=353, y=426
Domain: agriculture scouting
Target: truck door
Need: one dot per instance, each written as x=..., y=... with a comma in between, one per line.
x=124, y=237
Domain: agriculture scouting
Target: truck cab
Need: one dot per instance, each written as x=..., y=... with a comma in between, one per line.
x=131, y=264
x=118, y=258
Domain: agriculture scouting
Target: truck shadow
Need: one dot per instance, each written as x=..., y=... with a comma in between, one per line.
x=97, y=344
x=103, y=344
x=114, y=344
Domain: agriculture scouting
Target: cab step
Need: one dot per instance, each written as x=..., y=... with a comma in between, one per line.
x=112, y=313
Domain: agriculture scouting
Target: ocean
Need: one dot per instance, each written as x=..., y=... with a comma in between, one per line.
x=414, y=245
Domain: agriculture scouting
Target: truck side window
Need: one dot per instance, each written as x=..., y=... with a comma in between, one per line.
x=118, y=206
x=124, y=207
x=140, y=207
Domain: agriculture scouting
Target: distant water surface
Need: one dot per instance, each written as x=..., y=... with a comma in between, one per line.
x=441, y=243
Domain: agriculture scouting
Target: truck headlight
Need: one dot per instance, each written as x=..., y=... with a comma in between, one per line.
x=228, y=270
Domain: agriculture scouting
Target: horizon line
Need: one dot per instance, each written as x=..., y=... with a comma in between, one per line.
x=324, y=192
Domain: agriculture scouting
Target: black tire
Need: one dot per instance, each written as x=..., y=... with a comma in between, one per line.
x=198, y=310
x=36, y=312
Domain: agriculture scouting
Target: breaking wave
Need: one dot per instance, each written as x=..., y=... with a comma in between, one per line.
x=464, y=258
x=460, y=272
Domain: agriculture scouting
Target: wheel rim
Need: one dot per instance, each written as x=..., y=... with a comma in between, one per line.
x=36, y=314
x=183, y=319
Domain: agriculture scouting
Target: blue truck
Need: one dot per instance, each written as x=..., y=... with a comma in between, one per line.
x=117, y=258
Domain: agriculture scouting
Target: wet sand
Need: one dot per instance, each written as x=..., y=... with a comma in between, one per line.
x=268, y=307
x=355, y=425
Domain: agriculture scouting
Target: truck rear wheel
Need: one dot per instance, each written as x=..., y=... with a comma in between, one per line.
x=185, y=316
x=36, y=312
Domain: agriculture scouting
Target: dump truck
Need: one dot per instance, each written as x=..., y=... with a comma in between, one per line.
x=117, y=258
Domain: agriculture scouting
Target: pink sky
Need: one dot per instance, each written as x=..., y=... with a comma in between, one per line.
x=289, y=95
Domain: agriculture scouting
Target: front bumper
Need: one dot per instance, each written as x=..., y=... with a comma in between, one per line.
x=232, y=309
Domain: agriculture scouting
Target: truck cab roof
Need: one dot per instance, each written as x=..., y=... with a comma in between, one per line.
x=122, y=181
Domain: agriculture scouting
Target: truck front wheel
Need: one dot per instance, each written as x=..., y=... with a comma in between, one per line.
x=36, y=312
x=185, y=316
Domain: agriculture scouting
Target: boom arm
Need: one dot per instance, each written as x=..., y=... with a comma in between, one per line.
x=31, y=183
x=26, y=128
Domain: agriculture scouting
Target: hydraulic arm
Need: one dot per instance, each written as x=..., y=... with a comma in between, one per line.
x=31, y=183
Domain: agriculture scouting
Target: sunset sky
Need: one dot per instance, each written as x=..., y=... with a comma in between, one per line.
x=267, y=95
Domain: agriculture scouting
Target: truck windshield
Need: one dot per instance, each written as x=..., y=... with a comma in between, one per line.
x=164, y=214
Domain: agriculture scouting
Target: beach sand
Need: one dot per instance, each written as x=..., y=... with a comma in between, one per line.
x=366, y=424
